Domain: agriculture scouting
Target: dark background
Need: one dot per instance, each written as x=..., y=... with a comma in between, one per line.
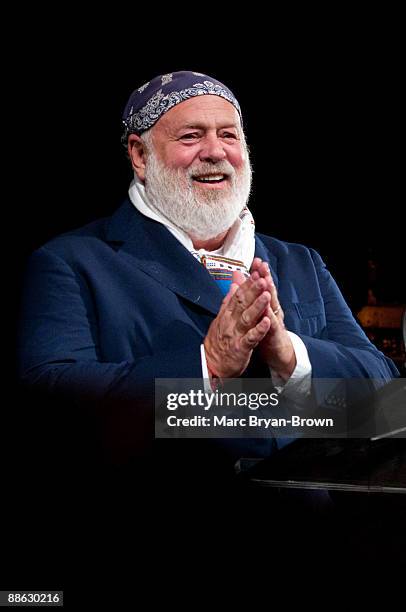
x=323, y=125
x=323, y=109
x=323, y=121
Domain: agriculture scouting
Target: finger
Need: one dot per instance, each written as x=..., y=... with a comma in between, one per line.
x=264, y=272
x=264, y=269
x=245, y=296
x=238, y=277
x=276, y=319
x=249, y=317
x=275, y=305
x=254, y=335
x=255, y=264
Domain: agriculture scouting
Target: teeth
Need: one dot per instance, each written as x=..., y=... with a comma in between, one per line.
x=212, y=177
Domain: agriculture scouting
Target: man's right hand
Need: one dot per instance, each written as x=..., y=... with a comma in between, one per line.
x=238, y=328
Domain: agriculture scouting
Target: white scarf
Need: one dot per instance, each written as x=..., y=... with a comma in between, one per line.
x=239, y=244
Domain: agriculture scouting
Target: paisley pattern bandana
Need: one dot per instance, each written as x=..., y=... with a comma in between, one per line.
x=149, y=102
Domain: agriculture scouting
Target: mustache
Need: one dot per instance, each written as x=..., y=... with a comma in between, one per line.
x=220, y=167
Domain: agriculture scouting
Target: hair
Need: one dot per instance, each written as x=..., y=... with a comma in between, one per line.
x=147, y=139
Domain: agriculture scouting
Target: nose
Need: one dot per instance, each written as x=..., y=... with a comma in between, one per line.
x=212, y=149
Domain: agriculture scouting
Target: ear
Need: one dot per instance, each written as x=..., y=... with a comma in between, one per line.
x=137, y=155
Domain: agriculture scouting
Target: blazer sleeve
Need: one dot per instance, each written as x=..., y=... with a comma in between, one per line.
x=343, y=350
x=58, y=344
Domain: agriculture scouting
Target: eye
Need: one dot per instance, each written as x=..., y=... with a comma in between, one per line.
x=190, y=136
x=229, y=135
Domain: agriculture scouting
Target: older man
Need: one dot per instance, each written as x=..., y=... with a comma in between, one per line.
x=176, y=283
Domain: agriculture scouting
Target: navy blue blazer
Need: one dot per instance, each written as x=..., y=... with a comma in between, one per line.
x=111, y=306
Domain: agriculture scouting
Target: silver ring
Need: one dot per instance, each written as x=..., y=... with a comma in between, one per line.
x=277, y=310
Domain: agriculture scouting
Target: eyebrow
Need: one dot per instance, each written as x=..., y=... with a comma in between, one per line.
x=200, y=126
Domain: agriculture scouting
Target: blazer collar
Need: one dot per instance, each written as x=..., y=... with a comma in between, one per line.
x=157, y=252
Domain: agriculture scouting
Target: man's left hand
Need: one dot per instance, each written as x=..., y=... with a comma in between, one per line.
x=276, y=348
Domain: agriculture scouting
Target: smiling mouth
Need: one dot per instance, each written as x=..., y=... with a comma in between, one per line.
x=210, y=178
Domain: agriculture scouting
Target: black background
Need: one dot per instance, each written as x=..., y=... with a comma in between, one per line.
x=323, y=121
x=323, y=110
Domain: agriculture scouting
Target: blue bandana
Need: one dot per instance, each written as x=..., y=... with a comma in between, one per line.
x=149, y=102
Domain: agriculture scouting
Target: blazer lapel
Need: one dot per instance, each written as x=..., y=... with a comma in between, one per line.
x=157, y=252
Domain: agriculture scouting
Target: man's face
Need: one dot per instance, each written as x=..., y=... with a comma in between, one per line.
x=204, y=130
x=197, y=170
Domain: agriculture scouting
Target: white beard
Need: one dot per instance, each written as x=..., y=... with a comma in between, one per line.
x=201, y=214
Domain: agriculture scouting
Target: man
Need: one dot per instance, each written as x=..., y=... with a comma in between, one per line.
x=176, y=283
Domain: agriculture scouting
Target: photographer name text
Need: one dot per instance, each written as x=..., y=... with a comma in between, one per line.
x=250, y=421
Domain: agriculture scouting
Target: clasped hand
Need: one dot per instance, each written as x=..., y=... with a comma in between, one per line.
x=247, y=320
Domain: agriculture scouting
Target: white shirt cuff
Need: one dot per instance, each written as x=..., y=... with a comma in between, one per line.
x=299, y=383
